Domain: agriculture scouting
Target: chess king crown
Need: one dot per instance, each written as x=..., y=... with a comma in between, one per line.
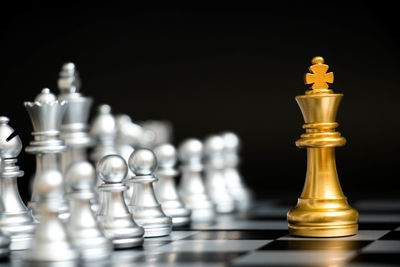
x=319, y=106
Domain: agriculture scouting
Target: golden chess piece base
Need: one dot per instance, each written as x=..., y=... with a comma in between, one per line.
x=322, y=210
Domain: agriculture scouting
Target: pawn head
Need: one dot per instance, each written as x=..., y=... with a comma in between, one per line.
x=112, y=169
x=81, y=176
x=104, y=109
x=166, y=155
x=231, y=141
x=142, y=161
x=214, y=144
x=190, y=148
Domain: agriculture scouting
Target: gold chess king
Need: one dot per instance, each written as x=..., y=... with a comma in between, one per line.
x=322, y=210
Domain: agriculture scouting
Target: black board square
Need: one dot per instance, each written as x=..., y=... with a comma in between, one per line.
x=393, y=235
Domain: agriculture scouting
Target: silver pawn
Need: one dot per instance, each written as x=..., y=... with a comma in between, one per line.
x=85, y=232
x=234, y=181
x=15, y=219
x=145, y=208
x=192, y=188
x=214, y=173
x=166, y=190
x=113, y=214
x=104, y=130
x=50, y=242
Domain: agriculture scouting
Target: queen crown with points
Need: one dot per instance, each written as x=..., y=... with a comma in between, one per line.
x=46, y=113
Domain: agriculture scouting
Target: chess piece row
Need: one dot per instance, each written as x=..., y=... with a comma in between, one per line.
x=77, y=212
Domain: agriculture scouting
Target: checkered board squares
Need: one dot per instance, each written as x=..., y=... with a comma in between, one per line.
x=260, y=238
x=383, y=246
x=238, y=235
x=294, y=258
x=214, y=245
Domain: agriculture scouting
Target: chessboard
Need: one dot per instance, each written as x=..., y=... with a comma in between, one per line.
x=260, y=237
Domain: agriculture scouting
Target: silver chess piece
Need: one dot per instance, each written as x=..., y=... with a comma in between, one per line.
x=104, y=129
x=50, y=242
x=124, y=142
x=113, y=214
x=192, y=187
x=234, y=181
x=46, y=113
x=15, y=219
x=214, y=174
x=86, y=234
x=74, y=127
x=128, y=137
x=145, y=208
x=4, y=246
x=155, y=133
x=129, y=134
x=166, y=190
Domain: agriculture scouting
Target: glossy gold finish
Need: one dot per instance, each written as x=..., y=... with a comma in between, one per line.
x=322, y=210
x=318, y=78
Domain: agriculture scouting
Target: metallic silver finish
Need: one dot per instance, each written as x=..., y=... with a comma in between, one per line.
x=234, y=181
x=104, y=130
x=46, y=113
x=128, y=131
x=86, y=234
x=4, y=246
x=15, y=219
x=155, y=133
x=192, y=188
x=51, y=242
x=113, y=214
x=144, y=206
x=74, y=128
x=166, y=191
x=214, y=173
x=128, y=136
x=143, y=162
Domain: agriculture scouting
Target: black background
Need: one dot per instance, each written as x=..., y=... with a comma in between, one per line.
x=217, y=67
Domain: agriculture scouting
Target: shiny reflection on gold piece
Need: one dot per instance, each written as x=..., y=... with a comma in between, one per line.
x=322, y=210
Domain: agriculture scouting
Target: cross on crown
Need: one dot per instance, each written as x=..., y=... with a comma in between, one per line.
x=319, y=78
